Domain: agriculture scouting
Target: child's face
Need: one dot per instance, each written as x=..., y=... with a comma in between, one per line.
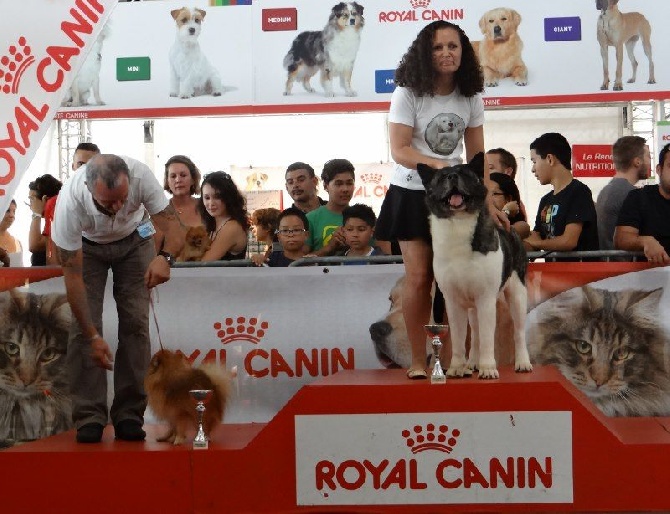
x=296, y=240
x=341, y=189
x=357, y=233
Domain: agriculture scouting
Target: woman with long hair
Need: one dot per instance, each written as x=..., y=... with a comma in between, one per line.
x=436, y=118
x=223, y=209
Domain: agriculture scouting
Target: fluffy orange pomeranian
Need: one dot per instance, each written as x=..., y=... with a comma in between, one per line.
x=168, y=381
x=196, y=244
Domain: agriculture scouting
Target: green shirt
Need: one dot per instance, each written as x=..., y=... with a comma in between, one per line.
x=322, y=223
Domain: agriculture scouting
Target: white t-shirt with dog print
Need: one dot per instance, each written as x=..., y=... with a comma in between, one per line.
x=439, y=123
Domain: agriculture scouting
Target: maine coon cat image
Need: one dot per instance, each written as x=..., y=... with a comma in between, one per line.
x=610, y=345
x=34, y=400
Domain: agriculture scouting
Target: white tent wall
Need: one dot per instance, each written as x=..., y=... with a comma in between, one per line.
x=276, y=141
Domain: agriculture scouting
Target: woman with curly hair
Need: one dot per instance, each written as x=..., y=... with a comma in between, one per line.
x=224, y=212
x=436, y=110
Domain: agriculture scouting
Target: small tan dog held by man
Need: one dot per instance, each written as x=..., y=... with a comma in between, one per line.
x=103, y=222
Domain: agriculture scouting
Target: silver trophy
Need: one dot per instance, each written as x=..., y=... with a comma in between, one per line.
x=435, y=331
x=201, y=397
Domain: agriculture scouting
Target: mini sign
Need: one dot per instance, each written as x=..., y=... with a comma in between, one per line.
x=590, y=161
x=133, y=68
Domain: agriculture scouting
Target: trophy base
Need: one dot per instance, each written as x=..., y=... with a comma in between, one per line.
x=200, y=445
x=438, y=379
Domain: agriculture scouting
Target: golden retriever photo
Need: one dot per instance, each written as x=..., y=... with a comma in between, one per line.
x=256, y=181
x=619, y=29
x=500, y=51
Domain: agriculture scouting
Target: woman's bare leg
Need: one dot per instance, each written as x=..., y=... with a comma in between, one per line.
x=416, y=301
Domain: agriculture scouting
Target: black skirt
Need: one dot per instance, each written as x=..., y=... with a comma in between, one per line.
x=403, y=216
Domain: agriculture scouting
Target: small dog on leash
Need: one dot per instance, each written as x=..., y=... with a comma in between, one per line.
x=87, y=80
x=168, y=381
x=196, y=244
x=191, y=74
x=474, y=261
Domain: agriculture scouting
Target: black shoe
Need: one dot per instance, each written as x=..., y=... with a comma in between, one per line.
x=90, y=433
x=129, y=430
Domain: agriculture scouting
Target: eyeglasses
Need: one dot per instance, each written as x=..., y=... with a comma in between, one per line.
x=290, y=231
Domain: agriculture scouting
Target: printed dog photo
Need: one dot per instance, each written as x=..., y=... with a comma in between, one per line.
x=191, y=73
x=619, y=29
x=196, y=244
x=444, y=132
x=256, y=181
x=168, y=381
x=87, y=81
x=474, y=261
x=391, y=343
x=500, y=51
x=332, y=51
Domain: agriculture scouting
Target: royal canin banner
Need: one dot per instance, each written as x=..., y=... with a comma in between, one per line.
x=434, y=458
x=43, y=52
x=530, y=55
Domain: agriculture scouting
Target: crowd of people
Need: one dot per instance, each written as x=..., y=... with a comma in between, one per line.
x=113, y=213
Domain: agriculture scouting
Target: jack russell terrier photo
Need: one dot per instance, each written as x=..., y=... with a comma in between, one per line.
x=191, y=74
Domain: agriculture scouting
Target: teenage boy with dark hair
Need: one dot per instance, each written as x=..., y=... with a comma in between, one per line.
x=566, y=217
x=325, y=223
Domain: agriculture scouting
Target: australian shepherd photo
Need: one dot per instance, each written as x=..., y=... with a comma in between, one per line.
x=332, y=51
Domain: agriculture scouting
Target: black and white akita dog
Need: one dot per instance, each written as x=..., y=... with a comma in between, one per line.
x=474, y=261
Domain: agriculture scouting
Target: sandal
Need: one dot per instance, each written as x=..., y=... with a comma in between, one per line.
x=416, y=374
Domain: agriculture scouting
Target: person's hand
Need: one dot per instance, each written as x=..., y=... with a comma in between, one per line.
x=532, y=242
x=157, y=272
x=499, y=217
x=259, y=260
x=101, y=354
x=4, y=257
x=654, y=251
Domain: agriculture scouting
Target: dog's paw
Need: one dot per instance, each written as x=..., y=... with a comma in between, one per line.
x=521, y=82
x=491, y=83
x=178, y=439
x=217, y=93
x=523, y=366
x=287, y=93
x=651, y=81
x=488, y=373
x=618, y=86
x=329, y=94
x=174, y=94
x=460, y=370
x=351, y=92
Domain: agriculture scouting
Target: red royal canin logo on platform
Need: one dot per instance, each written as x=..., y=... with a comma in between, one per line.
x=431, y=458
x=420, y=11
x=279, y=19
x=272, y=362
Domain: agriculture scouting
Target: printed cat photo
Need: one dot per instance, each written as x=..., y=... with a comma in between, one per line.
x=34, y=399
x=610, y=345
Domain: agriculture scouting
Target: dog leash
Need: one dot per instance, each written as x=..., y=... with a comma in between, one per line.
x=153, y=312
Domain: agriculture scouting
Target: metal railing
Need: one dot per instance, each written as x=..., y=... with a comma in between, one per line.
x=595, y=256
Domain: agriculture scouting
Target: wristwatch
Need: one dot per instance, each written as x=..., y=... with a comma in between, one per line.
x=168, y=257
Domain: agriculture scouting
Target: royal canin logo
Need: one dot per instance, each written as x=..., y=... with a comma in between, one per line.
x=241, y=329
x=420, y=12
x=372, y=178
x=431, y=437
x=13, y=65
